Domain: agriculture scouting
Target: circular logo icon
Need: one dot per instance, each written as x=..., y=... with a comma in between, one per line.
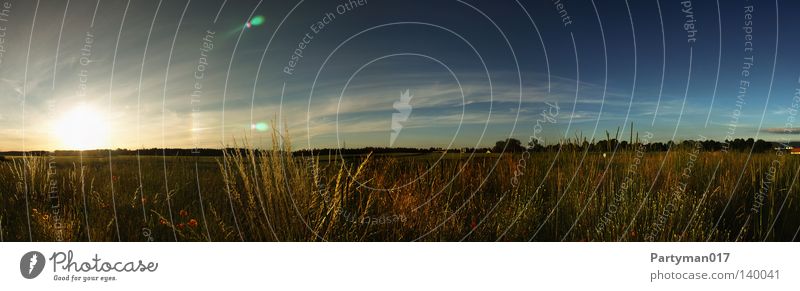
x=31, y=264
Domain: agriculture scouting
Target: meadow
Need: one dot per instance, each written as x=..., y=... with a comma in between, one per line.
x=685, y=194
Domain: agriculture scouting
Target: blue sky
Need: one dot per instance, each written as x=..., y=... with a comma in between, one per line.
x=479, y=71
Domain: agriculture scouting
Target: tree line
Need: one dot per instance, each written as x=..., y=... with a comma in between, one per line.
x=607, y=145
x=512, y=145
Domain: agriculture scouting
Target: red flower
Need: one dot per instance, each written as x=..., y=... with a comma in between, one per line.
x=192, y=223
x=180, y=226
x=473, y=225
x=183, y=213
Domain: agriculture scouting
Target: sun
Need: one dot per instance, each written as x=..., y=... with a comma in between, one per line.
x=81, y=128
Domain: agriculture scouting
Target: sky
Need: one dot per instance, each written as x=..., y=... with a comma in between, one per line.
x=194, y=74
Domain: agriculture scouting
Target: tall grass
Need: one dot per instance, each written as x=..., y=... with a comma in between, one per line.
x=274, y=195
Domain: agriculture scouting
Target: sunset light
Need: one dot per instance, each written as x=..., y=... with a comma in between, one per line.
x=81, y=128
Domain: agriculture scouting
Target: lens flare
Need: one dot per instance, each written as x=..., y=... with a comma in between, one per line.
x=261, y=126
x=258, y=20
x=255, y=21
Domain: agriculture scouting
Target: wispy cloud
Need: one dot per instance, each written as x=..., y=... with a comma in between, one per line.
x=781, y=130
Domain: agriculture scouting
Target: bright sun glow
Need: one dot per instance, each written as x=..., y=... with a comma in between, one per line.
x=81, y=128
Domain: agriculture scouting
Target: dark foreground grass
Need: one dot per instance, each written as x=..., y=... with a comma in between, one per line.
x=269, y=195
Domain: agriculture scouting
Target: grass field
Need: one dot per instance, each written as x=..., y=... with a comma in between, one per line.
x=682, y=195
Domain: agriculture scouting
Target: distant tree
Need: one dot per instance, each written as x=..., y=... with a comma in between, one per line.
x=711, y=145
x=738, y=144
x=762, y=146
x=607, y=145
x=508, y=145
x=534, y=145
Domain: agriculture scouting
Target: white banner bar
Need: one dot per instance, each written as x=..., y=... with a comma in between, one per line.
x=398, y=266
